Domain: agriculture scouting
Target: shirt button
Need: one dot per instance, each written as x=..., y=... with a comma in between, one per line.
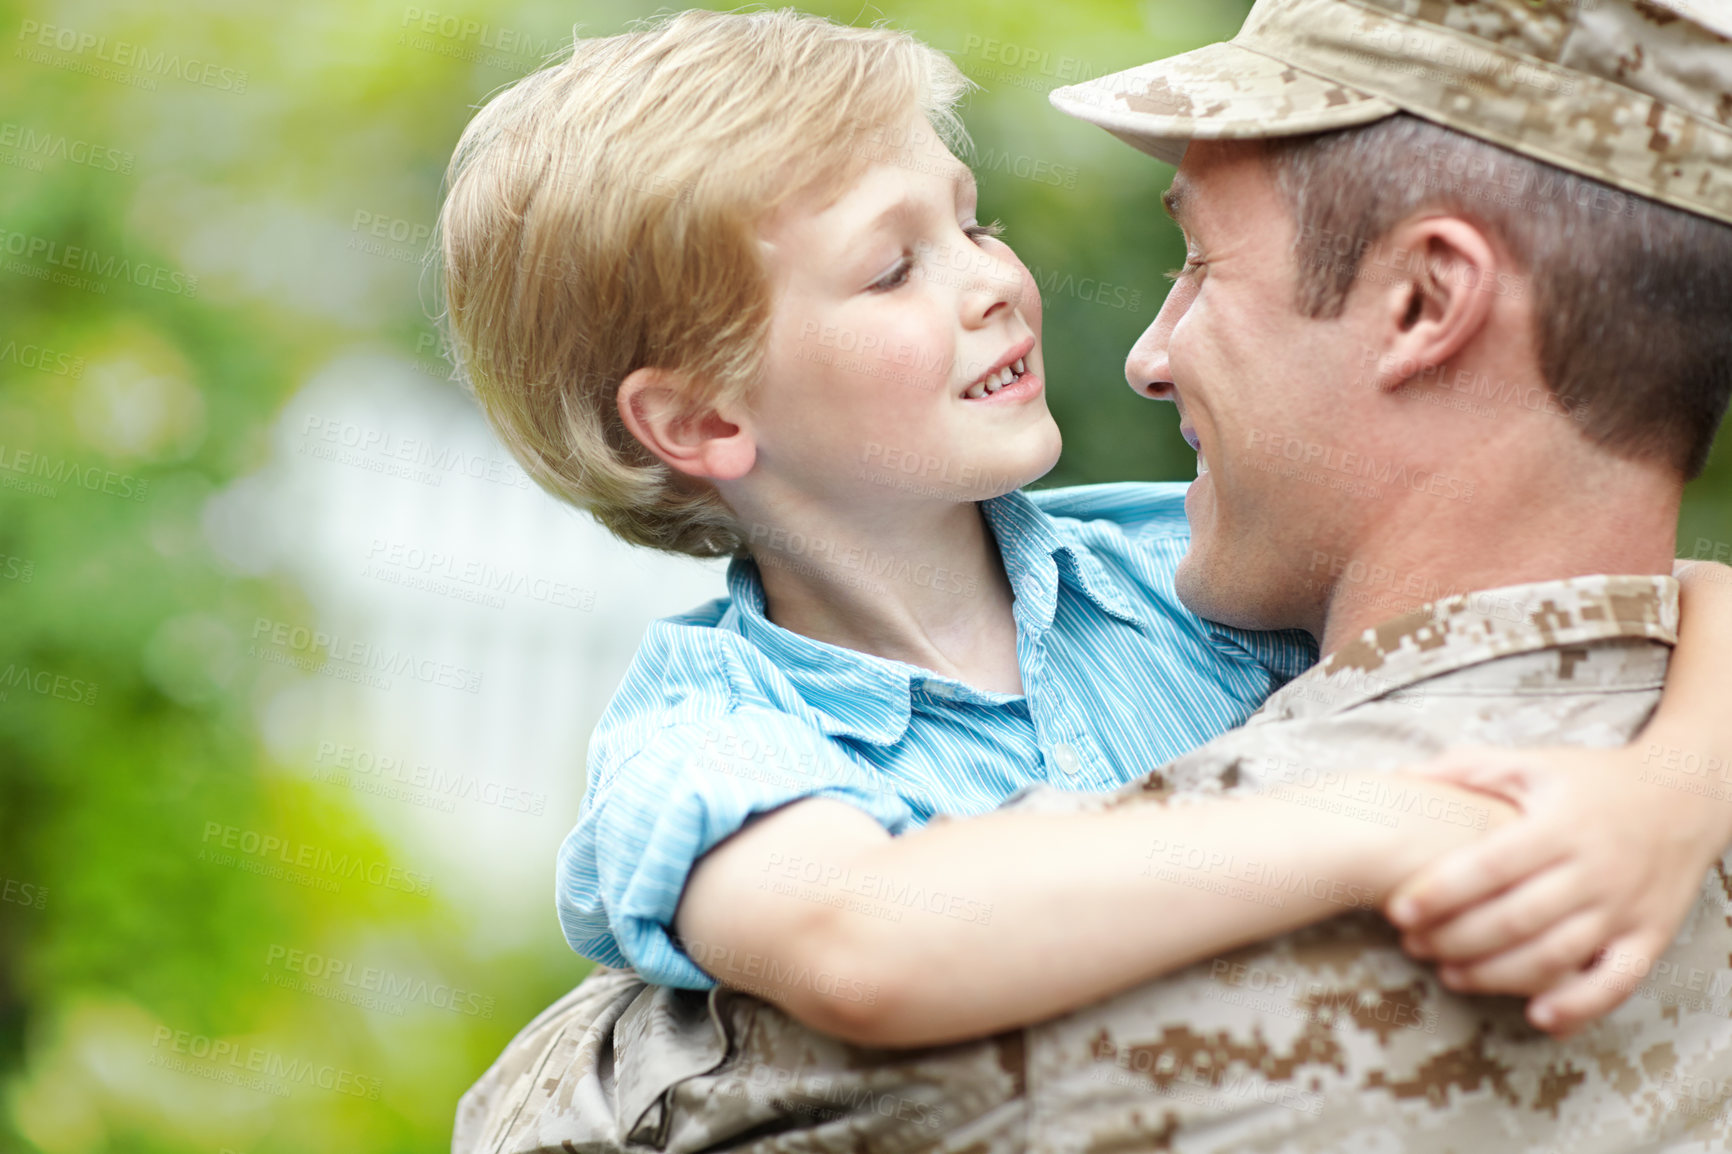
x=1066, y=759
x=940, y=691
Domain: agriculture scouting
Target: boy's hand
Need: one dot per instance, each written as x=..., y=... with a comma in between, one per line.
x=1575, y=899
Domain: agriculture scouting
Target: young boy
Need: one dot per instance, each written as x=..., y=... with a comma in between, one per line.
x=721, y=282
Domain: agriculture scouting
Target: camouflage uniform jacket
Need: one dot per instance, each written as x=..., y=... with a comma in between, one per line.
x=1326, y=1039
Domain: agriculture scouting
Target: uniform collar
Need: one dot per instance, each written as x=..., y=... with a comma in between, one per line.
x=1473, y=628
x=869, y=698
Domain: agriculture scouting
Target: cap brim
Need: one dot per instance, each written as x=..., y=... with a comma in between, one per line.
x=1222, y=92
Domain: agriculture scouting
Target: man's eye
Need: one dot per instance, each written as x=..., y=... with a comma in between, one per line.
x=979, y=232
x=896, y=277
x=1192, y=264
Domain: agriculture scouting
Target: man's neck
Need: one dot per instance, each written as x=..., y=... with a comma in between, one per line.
x=1544, y=526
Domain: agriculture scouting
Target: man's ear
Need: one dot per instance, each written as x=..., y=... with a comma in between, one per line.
x=1445, y=275
x=701, y=442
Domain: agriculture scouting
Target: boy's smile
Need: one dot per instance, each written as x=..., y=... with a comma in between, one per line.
x=903, y=330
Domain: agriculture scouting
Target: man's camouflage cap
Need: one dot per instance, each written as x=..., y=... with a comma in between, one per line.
x=1634, y=93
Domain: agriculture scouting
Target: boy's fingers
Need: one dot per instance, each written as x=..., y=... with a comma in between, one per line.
x=1472, y=874
x=1532, y=967
x=1506, y=921
x=1593, y=993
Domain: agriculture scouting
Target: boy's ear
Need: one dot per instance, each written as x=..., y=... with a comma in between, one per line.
x=698, y=442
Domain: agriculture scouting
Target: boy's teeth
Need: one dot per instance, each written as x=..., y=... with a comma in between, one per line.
x=997, y=381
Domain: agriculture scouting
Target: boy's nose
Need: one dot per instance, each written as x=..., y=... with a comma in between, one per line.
x=992, y=288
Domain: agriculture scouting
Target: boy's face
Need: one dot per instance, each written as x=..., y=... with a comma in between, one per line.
x=894, y=314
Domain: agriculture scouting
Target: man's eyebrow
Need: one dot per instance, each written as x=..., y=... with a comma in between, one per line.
x=1176, y=198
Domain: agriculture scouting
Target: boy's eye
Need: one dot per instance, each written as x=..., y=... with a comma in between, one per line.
x=896, y=277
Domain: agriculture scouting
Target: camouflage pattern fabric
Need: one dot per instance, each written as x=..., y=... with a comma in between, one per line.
x=1636, y=94
x=1328, y=1039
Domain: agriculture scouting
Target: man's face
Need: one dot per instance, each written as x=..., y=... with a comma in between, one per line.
x=1249, y=374
x=904, y=358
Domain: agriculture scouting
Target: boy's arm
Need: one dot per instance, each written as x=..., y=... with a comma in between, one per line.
x=973, y=926
x=1575, y=901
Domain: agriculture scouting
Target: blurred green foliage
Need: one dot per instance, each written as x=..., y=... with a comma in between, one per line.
x=129, y=730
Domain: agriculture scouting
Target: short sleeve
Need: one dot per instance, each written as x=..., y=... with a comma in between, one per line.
x=623, y=868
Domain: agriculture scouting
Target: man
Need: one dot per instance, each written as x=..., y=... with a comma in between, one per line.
x=1361, y=321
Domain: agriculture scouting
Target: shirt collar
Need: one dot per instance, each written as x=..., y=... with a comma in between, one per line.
x=854, y=694
x=1473, y=628
x=1037, y=557
x=869, y=698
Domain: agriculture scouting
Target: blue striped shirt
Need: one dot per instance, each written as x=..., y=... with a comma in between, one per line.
x=724, y=715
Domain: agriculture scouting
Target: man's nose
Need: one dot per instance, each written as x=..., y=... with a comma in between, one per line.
x=1147, y=369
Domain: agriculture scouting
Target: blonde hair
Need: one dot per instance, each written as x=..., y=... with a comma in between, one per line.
x=601, y=216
